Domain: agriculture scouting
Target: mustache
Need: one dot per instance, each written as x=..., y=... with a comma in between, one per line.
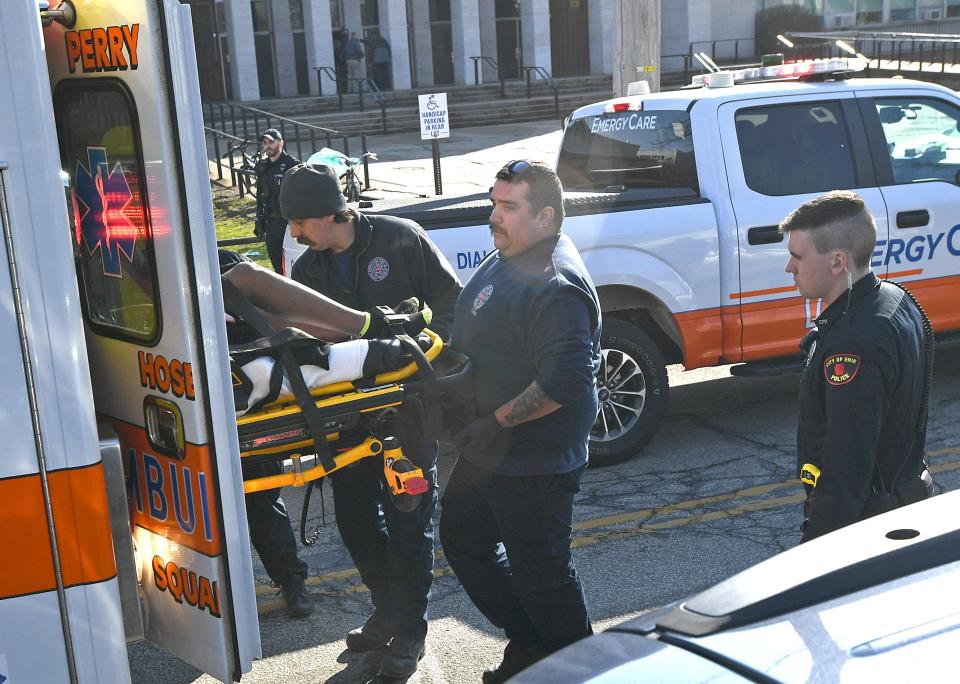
x=493, y=228
x=306, y=242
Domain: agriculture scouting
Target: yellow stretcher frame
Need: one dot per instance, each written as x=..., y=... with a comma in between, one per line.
x=400, y=474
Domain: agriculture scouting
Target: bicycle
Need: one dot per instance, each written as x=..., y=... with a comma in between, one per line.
x=244, y=176
x=345, y=167
x=352, y=185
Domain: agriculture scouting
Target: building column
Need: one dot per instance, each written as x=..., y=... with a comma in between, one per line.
x=423, y=42
x=243, y=54
x=465, y=15
x=488, y=38
x=393, y=27
x=318, y=33
x=285, y=59
x=600, y=17
x=535, y=26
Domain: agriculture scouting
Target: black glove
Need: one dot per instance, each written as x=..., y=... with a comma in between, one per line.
x=413, y=319
x=258, y=230
x=479, y=435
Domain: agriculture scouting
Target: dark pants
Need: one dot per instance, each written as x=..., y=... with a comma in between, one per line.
x=270, y=530
x=276, y=230
x=508, y=541
x=392, y=550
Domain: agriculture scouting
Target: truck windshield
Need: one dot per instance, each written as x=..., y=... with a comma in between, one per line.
x=627, y=150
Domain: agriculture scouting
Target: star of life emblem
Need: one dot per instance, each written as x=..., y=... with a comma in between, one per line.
x=378, y=269
x=483, y=296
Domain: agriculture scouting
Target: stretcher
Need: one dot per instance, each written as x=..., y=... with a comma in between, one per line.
x=323, y=429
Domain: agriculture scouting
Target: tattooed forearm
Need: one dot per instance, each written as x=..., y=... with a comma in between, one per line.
x=529, y=405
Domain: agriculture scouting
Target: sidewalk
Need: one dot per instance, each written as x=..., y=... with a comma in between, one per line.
x=469, y=158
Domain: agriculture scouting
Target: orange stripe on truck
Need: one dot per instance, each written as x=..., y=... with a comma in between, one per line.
x=79, y=502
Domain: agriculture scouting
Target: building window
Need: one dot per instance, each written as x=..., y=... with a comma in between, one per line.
x=369, y=13
x=953, y=8
x=903, y=10
x=507, y=8
x=260, y=9
x=869, y=11
x=296, y=15
x=336, y=14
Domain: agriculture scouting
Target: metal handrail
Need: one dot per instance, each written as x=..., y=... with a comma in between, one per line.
x=545, y=76
x=377, y=95
x=489, y=61
x=237, y=175
x=874, y=44
x=270, y=120
x=331, y=73
x=713, y=46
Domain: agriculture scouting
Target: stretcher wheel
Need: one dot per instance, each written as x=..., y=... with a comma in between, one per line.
x=405, y=503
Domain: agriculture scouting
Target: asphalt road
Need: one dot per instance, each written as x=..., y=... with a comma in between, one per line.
x=712, y=494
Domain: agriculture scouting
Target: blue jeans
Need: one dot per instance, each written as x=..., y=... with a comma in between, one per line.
x=508, y=541
x=392, y=550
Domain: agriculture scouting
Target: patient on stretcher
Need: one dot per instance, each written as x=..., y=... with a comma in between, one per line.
x=267, y=313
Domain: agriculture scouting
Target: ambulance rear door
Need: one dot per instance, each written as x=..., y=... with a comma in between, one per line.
x=127, y=109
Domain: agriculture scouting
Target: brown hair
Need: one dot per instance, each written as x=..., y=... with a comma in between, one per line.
x=544, y=187
x=345, y=216
x=837, y=220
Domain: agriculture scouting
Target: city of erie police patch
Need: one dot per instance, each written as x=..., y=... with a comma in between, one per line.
x=840, y=369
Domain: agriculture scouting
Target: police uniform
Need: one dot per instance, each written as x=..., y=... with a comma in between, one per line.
x=863, y=407
x=269, y=219
x=533, y=316
x=390, y=260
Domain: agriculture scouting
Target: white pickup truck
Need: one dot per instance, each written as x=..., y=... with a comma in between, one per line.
x=674, y=199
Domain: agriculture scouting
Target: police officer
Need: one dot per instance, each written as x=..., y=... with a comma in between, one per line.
x=529, y=318
x=866, y=378
x=269, y=223
x=363, y=262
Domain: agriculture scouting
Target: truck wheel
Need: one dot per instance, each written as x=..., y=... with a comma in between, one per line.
x=632, y=387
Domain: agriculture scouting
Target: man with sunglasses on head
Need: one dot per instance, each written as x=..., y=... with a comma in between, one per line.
x=529, y=318
x=269, y=224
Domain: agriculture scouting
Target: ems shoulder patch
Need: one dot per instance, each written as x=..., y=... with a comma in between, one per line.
x=839, y=369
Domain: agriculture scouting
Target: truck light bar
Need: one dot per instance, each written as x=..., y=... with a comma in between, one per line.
x=805, y=69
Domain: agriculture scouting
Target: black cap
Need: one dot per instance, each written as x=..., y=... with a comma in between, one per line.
x=310, y=191
x=271, y=133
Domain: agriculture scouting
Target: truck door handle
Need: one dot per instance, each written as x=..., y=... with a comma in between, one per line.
x=764, y=235
x=913, y=219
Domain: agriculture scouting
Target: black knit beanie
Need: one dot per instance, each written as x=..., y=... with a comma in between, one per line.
x=310, y=191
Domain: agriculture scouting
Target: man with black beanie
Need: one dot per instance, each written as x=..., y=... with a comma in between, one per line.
x=364, y=262
x=269, y=223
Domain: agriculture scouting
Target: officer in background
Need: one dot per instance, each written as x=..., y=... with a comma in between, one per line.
x=529, y=318
x=364, y=262
x=269, y=171
x=866, y=379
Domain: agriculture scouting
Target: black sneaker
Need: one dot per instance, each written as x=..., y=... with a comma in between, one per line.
x=295, y=595
x=402, y=657
x=515, y=660
x=375, y=633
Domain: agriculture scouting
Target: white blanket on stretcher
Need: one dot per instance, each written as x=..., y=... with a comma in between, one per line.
x=346, y=364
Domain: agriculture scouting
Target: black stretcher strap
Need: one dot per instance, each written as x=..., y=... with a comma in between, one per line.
x=237, y=302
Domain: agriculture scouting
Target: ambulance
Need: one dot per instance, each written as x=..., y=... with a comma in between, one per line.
x=122, y=512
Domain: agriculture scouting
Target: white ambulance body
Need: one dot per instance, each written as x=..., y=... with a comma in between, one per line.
x=122, y=513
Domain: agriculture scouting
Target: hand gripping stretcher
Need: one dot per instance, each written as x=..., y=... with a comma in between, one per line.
x=346, y=421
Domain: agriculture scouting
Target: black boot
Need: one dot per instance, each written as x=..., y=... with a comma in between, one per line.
x=515, y=660
x=402, y=657
x=375, y=633
x=295, y=595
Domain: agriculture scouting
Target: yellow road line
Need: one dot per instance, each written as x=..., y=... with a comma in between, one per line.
x=585, y=540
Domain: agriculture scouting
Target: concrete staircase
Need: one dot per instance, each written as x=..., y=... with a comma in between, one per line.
x=468, y=106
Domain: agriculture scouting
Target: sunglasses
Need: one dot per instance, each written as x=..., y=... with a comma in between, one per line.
x=517, y=166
